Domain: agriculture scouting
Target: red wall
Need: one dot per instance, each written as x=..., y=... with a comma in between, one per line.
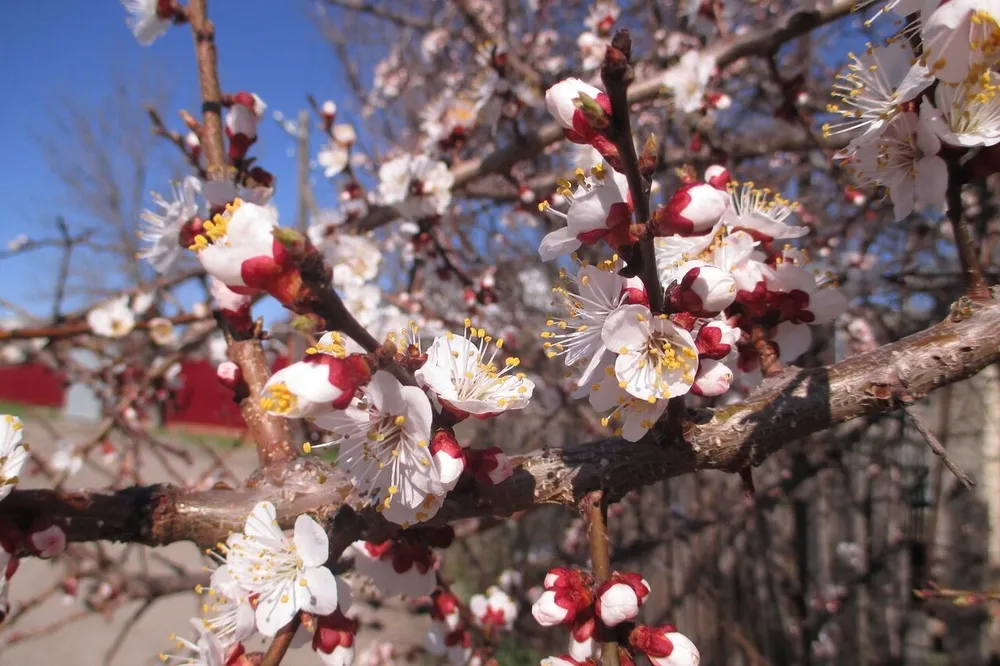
x=31, y=384
x=202, y=400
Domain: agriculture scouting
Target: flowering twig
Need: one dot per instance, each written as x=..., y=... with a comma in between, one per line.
x=271, y=433
x=975, y=286
x=617, y=75
x=594, y=508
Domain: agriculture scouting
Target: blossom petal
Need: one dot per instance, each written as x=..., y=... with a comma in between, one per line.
x=311, y=541
x=317, y=591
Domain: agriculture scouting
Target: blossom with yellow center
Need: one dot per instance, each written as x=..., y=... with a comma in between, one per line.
x=384, y=444
x=13, y=453
x=657, y=360
x=286, y=575
x=469, y=377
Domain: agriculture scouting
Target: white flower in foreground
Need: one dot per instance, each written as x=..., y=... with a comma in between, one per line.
x=326, y=380
x=968, y=114
x=206, y=651
x=148, y=19
x=287, y=575
x=113, y=319
x=560, y=100
x=687, y=80
x=905, y=159
x=600, y=290
x=601, y=205
x=160, y=232
x=637, y=416
x=493, y=609
x=469, y=379
x=238, y=247
x=227, y=611
x=384, y=442
x=13, y=453
x=959, y=36
x=874, y=87
x=760, y=214
x=657, y=360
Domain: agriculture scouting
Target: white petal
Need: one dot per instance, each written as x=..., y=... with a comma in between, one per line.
x=311, y=541
x=558, y=243
x=793, y=341
x=628, y=326
x=319, y=593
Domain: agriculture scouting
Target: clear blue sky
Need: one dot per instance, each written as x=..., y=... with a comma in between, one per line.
x=57, y=48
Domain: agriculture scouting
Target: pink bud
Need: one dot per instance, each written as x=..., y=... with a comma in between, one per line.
x=48, y=541
x=716, y=339
x=491, y=466
x=448, y=454
x=329, y=109
x=560, y=101
x=704, y=291
x=718, y=177
x=229, y=374
x=616, y=603
x=713, y=378
x=635, y=292
x=694, y=209
x=548, y=611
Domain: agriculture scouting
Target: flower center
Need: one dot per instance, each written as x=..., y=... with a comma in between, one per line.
x=277, y=398
x=214, y=230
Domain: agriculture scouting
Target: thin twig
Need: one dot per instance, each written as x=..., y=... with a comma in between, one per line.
x=617, y=75
x=595, y=511
x=938, y=448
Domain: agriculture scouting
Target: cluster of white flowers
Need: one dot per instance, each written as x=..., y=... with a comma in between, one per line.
x=264, y=578
x=723, y=280
x=383, y=428
x=900, y=130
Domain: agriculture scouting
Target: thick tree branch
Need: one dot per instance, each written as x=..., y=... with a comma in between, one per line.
x=786, y=408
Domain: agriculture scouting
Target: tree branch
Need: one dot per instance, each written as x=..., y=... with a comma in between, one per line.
x=975, y=286
x=271, y=433
x=782, y=410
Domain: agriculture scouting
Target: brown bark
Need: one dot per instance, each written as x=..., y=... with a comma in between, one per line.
x=783, y=409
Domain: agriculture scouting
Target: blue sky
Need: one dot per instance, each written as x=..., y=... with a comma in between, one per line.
x=56, y=48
